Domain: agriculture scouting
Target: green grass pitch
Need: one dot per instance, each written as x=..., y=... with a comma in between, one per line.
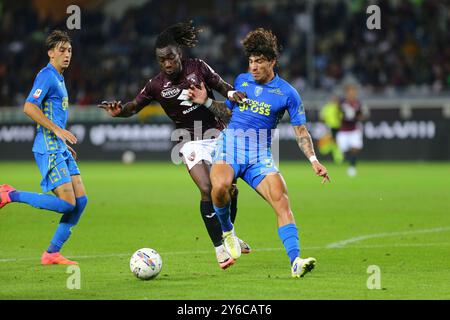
x=395, y=216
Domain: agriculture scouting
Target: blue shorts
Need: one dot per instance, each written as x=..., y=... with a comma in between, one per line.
x=253, y=174
x=251, y=166
x=56, y=169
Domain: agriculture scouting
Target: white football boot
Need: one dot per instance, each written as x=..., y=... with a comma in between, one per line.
x=223, y=258
x=300, y=267
x=231, y=243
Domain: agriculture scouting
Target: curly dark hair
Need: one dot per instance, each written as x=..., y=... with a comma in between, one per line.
x=261, y=42
x=56, y=37
x=180, y=34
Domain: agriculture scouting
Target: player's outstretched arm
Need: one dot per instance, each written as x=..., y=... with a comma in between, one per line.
x=36, y=114
x=305, y=144
x=200, y=96
x=116, y=109
x=228, y=91
x=214, y=81
x=220, y=110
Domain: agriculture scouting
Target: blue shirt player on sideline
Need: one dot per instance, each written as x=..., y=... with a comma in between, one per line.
x=48, y=105
x=244, y=147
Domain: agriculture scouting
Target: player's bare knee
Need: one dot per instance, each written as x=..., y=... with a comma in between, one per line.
x=221, y=189
x=280, y=202
x=278, y=196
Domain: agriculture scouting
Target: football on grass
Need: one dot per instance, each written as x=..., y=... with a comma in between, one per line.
x=146, y=263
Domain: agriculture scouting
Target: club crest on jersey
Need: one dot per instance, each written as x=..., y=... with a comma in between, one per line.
x=192, y=78
x=192, y=156
x=37, y=93
x=170, y=92
x=258, y=91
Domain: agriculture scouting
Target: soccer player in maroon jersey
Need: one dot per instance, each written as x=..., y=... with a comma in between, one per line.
x=350, y=136
x=170, y=88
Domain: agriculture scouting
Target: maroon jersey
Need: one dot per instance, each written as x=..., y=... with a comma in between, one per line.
x=351, y=110
x=174, y=100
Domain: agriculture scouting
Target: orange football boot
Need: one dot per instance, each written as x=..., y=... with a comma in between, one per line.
x=55, y=258
x=5, y=189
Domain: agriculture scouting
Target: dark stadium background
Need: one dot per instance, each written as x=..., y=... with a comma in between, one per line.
x=402, y=70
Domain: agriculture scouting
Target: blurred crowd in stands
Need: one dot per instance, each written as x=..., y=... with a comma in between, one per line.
x=113, y=54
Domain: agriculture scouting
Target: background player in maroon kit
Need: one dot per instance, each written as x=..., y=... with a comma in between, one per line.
x=170, y=88
x=350, y=135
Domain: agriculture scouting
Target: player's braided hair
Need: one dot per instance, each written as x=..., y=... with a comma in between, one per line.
x=261, y=42
x=56, y=37
x=180, y=34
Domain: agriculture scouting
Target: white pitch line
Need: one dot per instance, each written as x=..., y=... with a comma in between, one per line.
x=118, y=255
x=396, y=245
x=343, y=243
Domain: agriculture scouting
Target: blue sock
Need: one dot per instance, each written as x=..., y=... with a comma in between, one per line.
x=42, y=201
x=289, y=236
x=224, y=217
x=68, y=221
x=61, y=235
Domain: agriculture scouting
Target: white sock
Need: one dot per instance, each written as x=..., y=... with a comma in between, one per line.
x=219, y=248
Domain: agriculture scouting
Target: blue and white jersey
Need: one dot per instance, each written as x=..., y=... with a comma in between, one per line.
x=49, y=93
x=266, y=104
x=248, y=135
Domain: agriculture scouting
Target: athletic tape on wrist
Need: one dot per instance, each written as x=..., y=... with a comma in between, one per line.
x=208, y=103
x=230, y=94
x=312, y=159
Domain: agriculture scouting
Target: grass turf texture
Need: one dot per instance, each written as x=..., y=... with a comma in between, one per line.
x=396, y=215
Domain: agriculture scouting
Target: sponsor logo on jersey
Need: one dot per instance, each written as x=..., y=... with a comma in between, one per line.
x=191, y=108
x=245, y=84
x=37, y=93
x=276, y=91
x=184, y=96
x=256, y=107
x=301, y=109
x=170, y=92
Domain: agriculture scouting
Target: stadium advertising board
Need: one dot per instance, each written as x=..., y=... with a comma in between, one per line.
x=383, y=140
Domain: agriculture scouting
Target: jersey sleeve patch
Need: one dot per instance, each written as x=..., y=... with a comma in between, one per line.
x=37, y=93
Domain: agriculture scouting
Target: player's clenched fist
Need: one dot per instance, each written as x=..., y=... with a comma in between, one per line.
x=114, y=108
x=198, y=94
x=237, y=96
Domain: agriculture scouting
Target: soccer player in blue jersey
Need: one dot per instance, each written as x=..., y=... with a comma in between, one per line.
x=48, y=105
x=244, y=147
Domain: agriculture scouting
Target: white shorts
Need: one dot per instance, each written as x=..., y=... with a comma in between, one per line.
x=347, y=140
x=195, y=151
